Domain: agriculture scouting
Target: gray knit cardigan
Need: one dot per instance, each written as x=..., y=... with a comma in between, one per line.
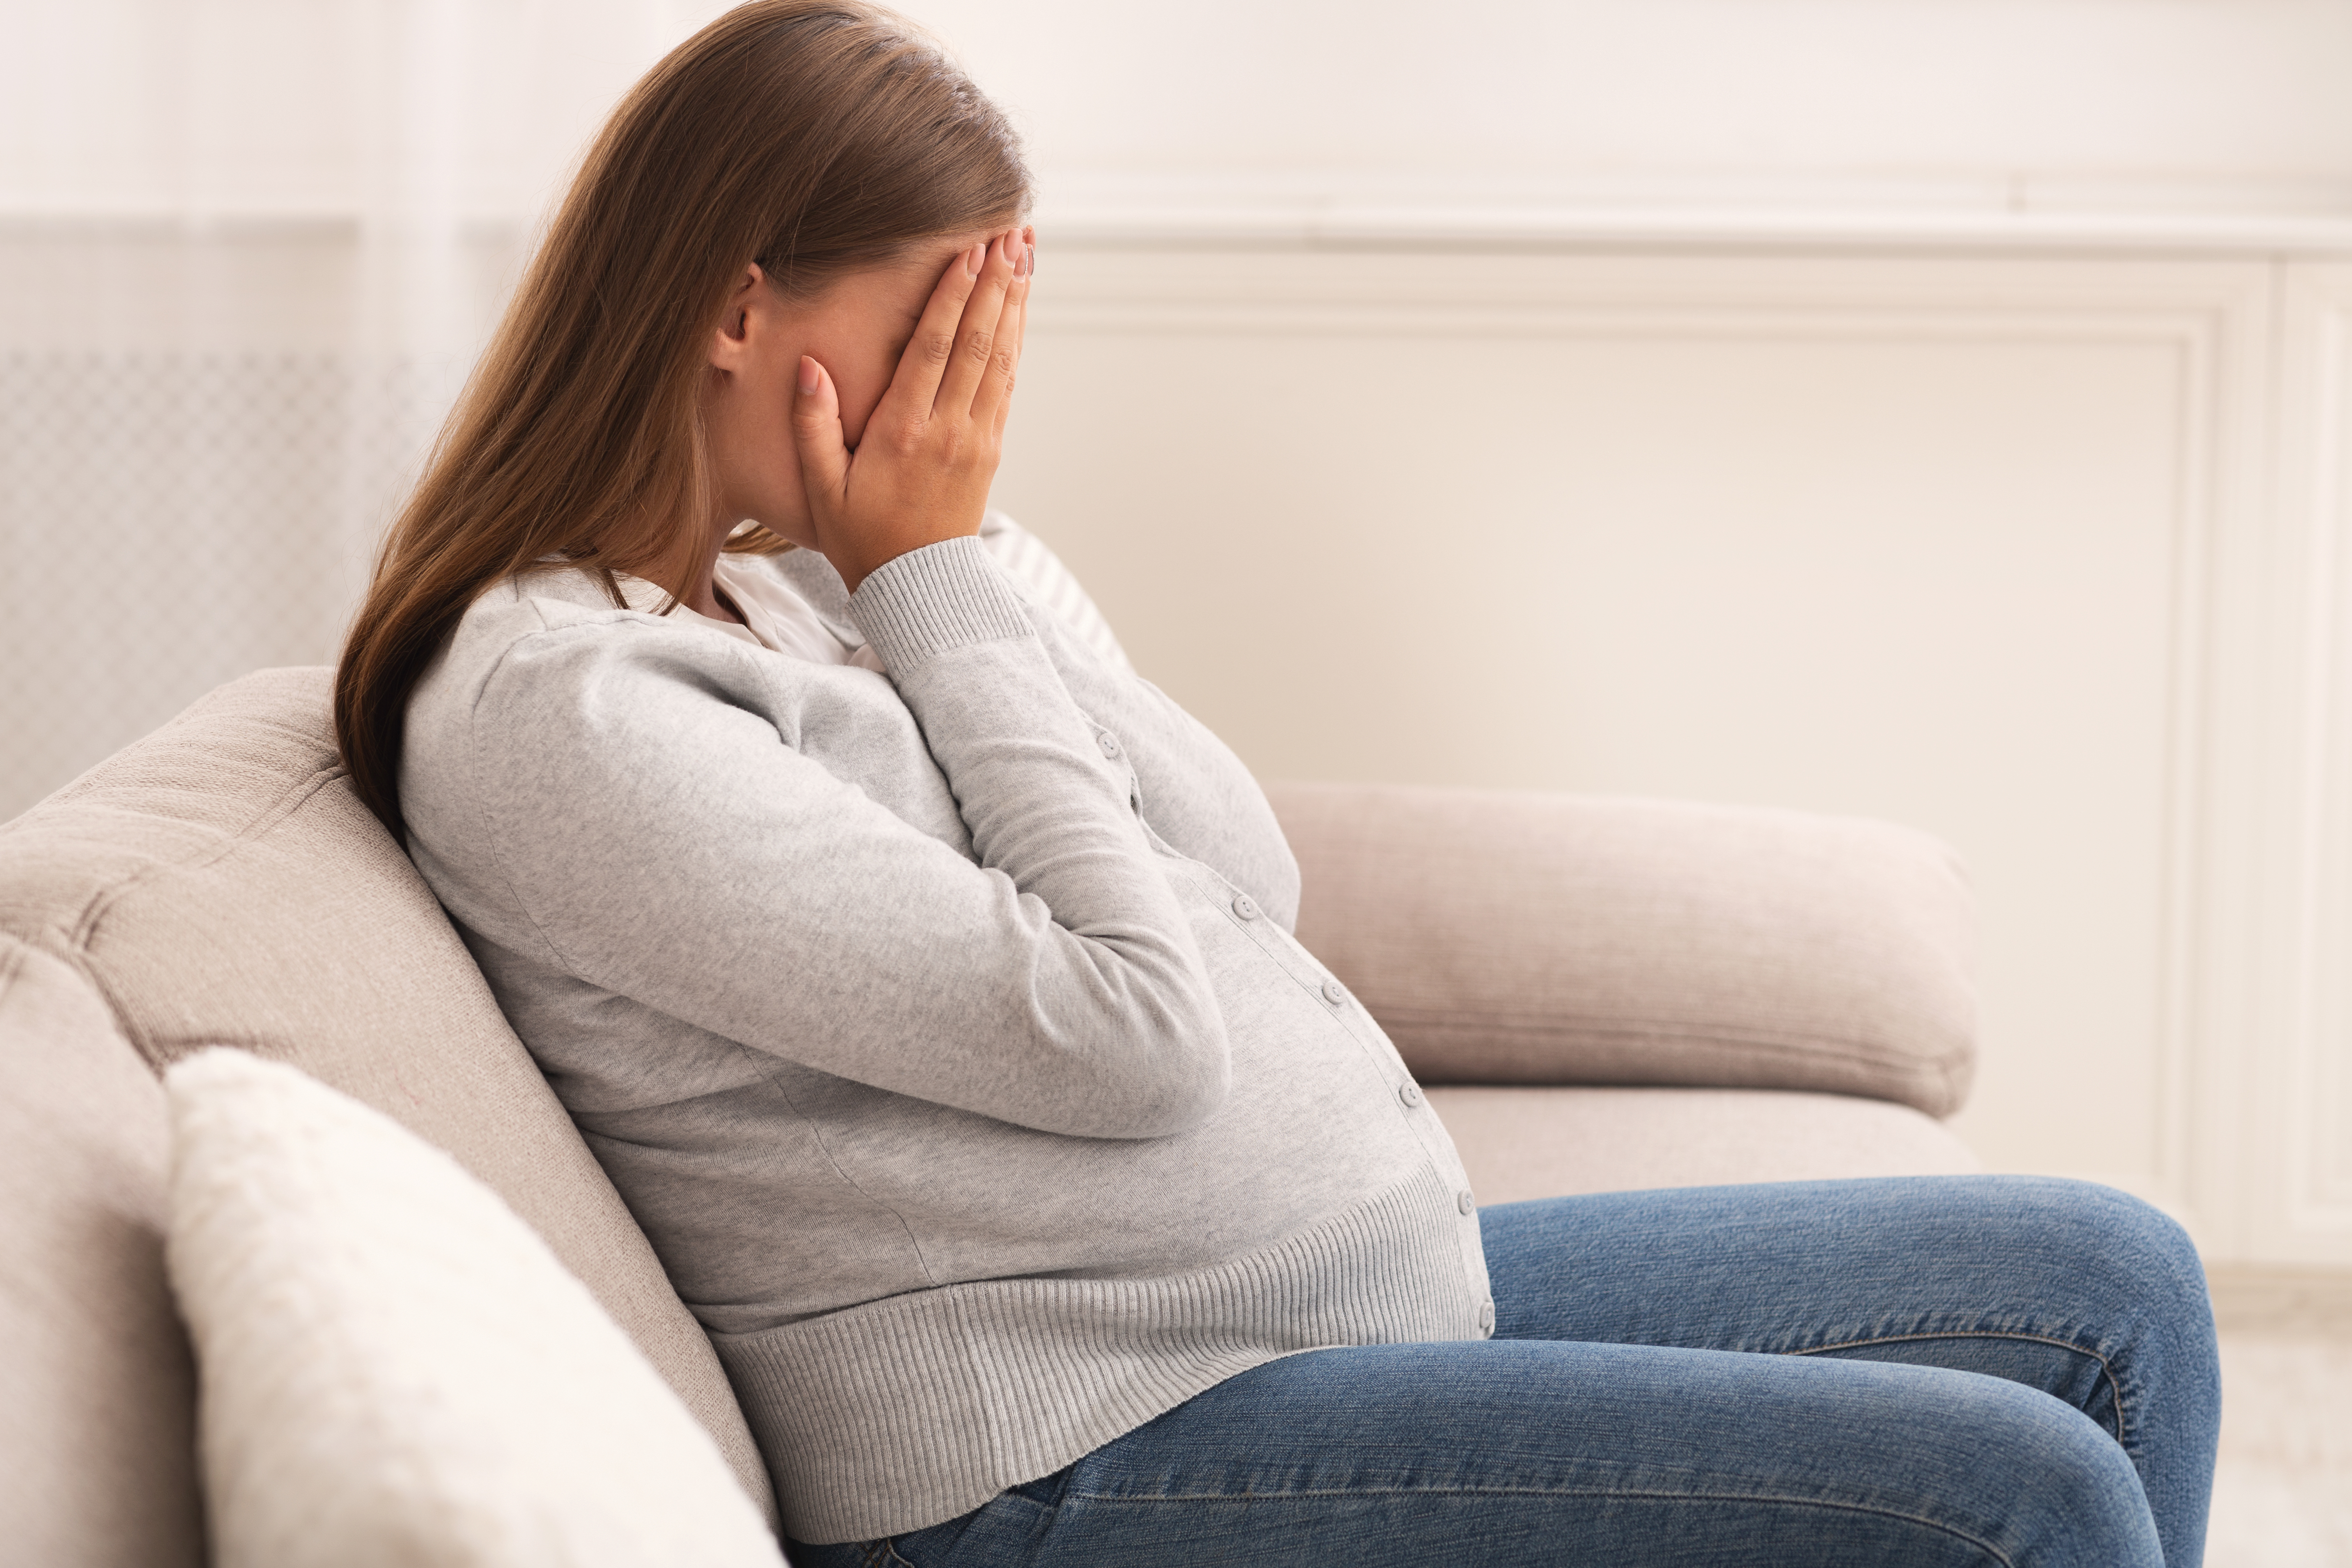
x=943, y=1030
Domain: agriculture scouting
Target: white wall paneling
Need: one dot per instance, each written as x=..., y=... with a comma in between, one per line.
x=203, y=430
x=1982, y=543
x=2049, y=554
x=2299, y=1124
x=1940, y=410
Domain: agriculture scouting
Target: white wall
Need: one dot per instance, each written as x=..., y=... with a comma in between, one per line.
x=310, y=107
x=278, y=105
x=2045, y=555
x=1928, y=408
x=1981, y=103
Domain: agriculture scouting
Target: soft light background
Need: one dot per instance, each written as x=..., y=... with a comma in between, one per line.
x=1935, y=409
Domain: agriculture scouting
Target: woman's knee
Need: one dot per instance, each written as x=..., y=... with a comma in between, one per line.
x=2054, y=1485
x=2087, y=1219
x=2126, y=1263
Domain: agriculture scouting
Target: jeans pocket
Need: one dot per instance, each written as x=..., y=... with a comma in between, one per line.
x=881, y=1552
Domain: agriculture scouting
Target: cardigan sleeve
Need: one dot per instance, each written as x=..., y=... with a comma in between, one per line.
x=1196, y=793
x=664, y=846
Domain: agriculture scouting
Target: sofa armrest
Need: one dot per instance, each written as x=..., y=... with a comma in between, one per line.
x=1509, y=938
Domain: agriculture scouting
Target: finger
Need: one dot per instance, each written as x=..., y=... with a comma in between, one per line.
x=995, y=400
x=976, y=335
x=816, y=436
x=915, y=385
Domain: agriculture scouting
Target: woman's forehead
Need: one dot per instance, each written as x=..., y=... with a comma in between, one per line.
x=930, y=257
x=907, y=280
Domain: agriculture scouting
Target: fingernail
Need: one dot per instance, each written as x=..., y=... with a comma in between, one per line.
x=808, y=376
x=1028, y=261
x=973, y=258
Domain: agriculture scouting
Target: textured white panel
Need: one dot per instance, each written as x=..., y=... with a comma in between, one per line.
x=202, y=429
x=171, y=521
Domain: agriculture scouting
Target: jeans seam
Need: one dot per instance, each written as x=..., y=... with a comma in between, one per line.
x=2107, y=1371
x=1254, y=1498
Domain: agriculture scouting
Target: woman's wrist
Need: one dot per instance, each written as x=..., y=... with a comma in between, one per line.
x=856, y=560
x=938, y=596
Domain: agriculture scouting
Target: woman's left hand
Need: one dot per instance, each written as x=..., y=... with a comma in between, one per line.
x=922, y=470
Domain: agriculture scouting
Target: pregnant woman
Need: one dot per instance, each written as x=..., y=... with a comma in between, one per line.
x=924, y=979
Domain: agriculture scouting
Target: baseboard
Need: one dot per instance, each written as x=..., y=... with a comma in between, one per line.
x=2253, y=1299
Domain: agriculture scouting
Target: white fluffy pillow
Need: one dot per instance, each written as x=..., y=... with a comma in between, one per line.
x=394, y=1368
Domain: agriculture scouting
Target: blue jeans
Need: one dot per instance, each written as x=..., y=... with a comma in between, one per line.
x=1914, y=1371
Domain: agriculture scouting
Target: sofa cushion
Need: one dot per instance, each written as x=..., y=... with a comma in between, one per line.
x=1545, y=1142
x=218, y=883
x=1545, y=939
x=396, y=1368
x=97, y=1393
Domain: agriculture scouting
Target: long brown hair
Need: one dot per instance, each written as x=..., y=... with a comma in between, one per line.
x=811, y=136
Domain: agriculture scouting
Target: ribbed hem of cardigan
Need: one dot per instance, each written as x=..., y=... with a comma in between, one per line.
x=910, y=1411
x=941, y=596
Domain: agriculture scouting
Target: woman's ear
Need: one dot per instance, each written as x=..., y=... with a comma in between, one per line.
x=731, y=343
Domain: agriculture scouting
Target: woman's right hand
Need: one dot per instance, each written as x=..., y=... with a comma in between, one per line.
x=922, y=470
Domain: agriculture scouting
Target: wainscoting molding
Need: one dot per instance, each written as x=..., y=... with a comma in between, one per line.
x=2222, y=336
x=2043, y=546
x=1993, y=215
x=2302, y=1210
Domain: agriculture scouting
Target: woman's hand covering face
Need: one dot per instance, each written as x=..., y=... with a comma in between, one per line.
x=868, y=422
x=928, y=451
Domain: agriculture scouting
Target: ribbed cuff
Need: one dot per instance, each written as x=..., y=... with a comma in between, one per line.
x=926, y=601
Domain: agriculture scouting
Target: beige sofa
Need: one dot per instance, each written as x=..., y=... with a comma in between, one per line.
x=1658, y=995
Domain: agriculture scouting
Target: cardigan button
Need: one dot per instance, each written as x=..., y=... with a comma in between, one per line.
x=1486, y=1319
x=1109, y=744
x=1463, y=1201
x=1334, y=993
x=1245, y=907
x=1409, y=1092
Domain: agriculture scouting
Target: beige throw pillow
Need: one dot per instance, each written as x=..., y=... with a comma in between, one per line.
x=395, y=1370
